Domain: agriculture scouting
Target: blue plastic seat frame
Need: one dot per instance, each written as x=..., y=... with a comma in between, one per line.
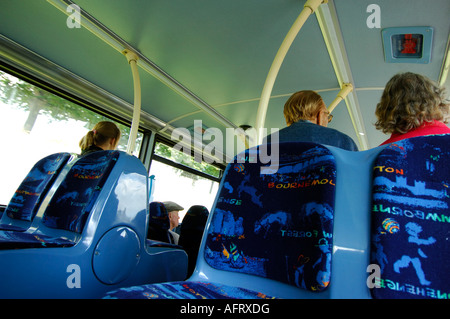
x=353, y=275
x=351, y=237
x=351, y=249
x=351, y=242
x=111, y=250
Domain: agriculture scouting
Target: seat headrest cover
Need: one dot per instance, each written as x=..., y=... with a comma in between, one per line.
x=159, y=216
x=197, y=210
x=73, y=201
x=411, y=218
x=195, y=218
x=27, y=198
x=277, y=225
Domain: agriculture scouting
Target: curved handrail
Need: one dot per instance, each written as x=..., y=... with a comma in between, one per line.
x=346, y=89
x=308, y=9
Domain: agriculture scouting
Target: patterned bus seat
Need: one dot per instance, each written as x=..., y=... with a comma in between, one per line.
x=91, y=237
x=159, y=224
x=29, y=195
x=191, y=233
x=271, y=220
x=410, y=219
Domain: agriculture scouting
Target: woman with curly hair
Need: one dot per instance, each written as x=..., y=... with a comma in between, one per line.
x=412, y=105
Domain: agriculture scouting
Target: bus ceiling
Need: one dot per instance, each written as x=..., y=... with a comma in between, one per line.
x=220, y=56
x=119, y=44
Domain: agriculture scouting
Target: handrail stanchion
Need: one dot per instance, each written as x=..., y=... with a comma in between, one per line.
x=308, y=9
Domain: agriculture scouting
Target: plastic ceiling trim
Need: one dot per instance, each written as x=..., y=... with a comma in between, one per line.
x=244, y=101
x=39, y=67
x=443, y=76
x=31, y=63
x=109, y=37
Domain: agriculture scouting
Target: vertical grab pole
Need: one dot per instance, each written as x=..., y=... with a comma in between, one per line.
x=132, y=60
x=308, y=9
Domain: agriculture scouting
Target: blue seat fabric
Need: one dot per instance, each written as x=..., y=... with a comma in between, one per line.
x=18, y=240
x=28, y=197
x=277, y=226
x=410, y=218
x=72, y=202
x=185, y=290
x=159, y=223
x=191, y=232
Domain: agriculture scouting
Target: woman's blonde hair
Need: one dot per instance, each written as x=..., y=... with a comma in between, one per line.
x=100, y=134
x=302, y=105
x=408, y=101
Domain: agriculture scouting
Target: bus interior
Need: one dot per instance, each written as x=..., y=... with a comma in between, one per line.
x=193, y=85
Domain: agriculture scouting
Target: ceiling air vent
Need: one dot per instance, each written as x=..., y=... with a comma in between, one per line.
x=407, y=44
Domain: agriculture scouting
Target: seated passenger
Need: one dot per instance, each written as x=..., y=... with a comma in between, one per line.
x=173, y=209
x=307, y=119
x=103, y=137
x=412, y=105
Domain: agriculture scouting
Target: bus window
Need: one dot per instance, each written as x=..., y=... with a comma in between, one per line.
x=35, y=123
x=180, y=179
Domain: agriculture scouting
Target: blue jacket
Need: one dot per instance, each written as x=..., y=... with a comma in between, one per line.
x=305, y=131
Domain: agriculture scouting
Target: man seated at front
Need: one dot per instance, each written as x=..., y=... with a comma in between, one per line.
x=174, y=218
x=307, y=119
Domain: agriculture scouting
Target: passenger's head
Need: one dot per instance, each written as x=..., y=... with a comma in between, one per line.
x=173, y=211
x=306, y=105
x=408, y=101
x=105, y=134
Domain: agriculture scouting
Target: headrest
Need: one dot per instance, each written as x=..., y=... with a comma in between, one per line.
x=277, y=225
x=73, y=201
x=410, y=218
x=195, y=218
x=158, y=215
x=30, y=193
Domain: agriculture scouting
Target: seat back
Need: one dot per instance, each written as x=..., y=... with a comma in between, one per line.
x=72, y=202
x=191, y=232
x=410, y=218
x=159, y=223
x=103, y=238
x=277, y=225
x=29, y=195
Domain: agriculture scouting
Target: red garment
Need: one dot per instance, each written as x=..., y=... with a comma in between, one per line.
x=428, y=128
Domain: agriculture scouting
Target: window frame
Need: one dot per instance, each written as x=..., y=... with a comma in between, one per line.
x=63, y=94
x=29, y=71
x=163, y=140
